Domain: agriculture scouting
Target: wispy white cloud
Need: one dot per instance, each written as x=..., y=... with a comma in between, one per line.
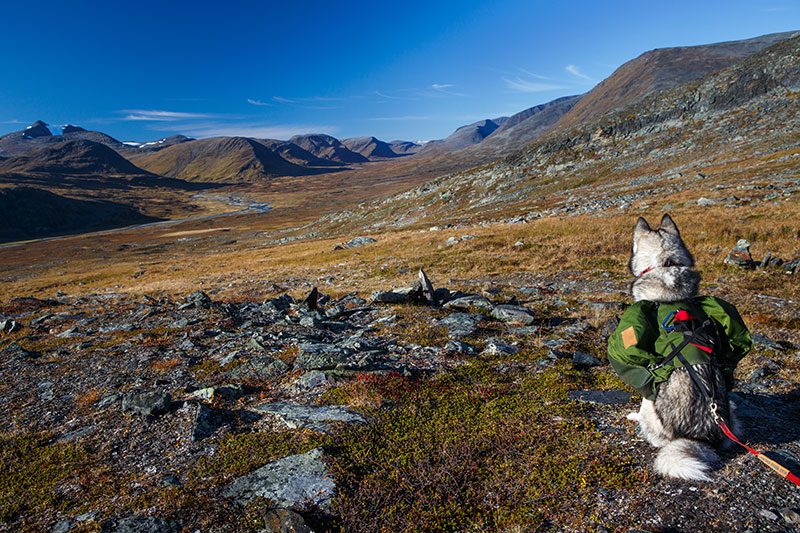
x=575, y=71
x=282, y=100
x=528, y=86
x=257, y=102
x=394, y=97
x=438, y=86
x=252, y=129
x=162, y=116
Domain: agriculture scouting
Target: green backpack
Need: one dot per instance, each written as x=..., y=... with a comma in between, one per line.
x=701, y=330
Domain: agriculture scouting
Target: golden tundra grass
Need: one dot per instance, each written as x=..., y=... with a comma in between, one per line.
x=584, y=243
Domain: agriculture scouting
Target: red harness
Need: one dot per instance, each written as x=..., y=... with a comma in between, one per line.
x=669, y=263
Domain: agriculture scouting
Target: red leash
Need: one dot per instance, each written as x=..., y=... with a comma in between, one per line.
x=780, y=469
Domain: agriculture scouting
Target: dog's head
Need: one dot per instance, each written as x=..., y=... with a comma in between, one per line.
x=654, y=248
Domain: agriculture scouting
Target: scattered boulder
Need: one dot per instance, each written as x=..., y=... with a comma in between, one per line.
x=205, y=423
x=146, y=403
x=513, y=314
x=294, y=482
x=468, y=301
x=460, y=347
x=311, y=300
x=226, y=392
x=198, y=299
x=358, y=241
x=427, y=289
x=740, y=255
x=284, y=521
x=315, y=418
x=387, y=297
x=312, y=380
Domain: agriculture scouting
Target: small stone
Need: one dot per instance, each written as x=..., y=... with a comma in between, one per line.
x=519, y=244
x=146, y=403
x=514, y=314
x=312, y=380
x=496, y=348
x=451, y=241
x=15, y=352
x=205, y=423
x=170, y=480
x=64, y=526
x=199, y=299
x=284, y=521
x=9, y=326
x=790, y=516
x=609, y=397
x=584, y=359
x=769, y=515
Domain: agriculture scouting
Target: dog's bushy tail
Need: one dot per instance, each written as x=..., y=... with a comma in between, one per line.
x=686, y=459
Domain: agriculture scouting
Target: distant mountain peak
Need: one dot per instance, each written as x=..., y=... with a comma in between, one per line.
x=36, y=130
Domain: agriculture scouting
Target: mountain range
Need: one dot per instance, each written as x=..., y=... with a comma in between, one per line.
x=46, y=156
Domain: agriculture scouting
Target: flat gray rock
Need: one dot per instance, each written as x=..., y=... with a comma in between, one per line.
x=470, y=301
x=294, y=482
x=605, y=397
x=514, y=314
x=461, y=324
x=386, y=297
x=460, y=347
x=315, y=418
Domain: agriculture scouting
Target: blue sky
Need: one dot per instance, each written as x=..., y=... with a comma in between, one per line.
x=415, y=70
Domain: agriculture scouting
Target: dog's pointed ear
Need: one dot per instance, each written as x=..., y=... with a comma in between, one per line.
x=668, y=225
x=641, y=227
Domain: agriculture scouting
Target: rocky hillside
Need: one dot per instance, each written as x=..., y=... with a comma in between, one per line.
x=462, y=137
x=733, y=130
x=661, y=69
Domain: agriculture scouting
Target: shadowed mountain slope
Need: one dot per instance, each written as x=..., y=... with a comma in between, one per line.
x=27, y=213
x=297, y=155
x=662, y=69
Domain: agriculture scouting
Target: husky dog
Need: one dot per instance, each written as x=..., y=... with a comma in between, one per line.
x=679, y=421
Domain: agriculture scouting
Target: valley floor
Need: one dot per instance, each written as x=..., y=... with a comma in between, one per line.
x=458, y=419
